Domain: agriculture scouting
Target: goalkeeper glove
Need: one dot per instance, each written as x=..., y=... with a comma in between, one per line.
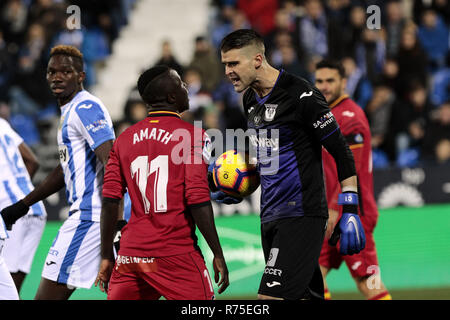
x=349, y=228
x=217, y=194
x=222, y=197
x=13, y=213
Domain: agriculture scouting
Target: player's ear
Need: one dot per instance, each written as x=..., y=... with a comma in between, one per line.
x=343, y=84
x=171, y=98
x=81, y=77
x=258, y=60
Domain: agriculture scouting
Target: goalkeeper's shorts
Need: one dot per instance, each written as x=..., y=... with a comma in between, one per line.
x=291, y=249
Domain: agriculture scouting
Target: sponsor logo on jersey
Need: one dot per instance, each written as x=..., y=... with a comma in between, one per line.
x=271, y=109
x=263, y=142
x=63, y=153
x=125, y=264
x=97, y=125
x=324, y=120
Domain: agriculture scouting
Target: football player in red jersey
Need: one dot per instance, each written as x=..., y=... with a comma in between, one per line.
x=167, y=183
x=331, y=81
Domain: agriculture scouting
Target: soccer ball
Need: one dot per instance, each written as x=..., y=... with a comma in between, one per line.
x=233, y=174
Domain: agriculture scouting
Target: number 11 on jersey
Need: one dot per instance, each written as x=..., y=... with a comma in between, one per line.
x=142, y=169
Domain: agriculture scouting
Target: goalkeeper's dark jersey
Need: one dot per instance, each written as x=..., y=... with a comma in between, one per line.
x=289, y=127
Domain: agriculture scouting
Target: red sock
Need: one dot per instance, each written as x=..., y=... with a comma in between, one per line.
x=382, y=296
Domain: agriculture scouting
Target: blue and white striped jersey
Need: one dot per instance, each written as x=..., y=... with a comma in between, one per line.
x=85, y=124
x=15, y=182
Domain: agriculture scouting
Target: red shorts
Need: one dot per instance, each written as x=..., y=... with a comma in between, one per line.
x=362, y=264
x=180, y=277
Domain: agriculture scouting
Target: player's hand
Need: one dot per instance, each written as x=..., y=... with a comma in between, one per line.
x=13, y=213
x=220, y=268
x=104, y=273
x=333, y=216
x=224, y=198
x=353, y=238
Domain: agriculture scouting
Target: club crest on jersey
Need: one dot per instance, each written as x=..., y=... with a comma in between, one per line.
x=271, y=109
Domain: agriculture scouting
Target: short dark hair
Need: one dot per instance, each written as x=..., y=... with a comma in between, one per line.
x=70, y=51
x=148, y=85
x=241, y=38
x=332, y=64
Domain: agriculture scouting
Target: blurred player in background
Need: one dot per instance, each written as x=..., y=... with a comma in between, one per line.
x=293, y=204
x=18, y=164
x=158, y=253
x=85, y=137
x=330, y=80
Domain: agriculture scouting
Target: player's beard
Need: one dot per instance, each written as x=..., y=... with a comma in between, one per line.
x=333, y=96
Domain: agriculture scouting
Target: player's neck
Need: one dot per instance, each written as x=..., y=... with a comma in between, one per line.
x=338, y=100
x=161, y=107
x=66, y=100
x=266, y=80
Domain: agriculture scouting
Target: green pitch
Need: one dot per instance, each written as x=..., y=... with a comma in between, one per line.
x=413, y=246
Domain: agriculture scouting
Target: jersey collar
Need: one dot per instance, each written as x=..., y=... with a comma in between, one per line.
x=338, y=100
x=163, y=113
x=264, y=99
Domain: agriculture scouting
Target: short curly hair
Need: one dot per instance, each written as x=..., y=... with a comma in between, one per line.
x=70, y=51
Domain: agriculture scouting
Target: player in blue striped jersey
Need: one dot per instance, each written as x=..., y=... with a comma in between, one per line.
x=85, y=137
x=18, y=164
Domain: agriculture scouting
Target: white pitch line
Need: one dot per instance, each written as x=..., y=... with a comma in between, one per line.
x=239, y=235
x=246, y=272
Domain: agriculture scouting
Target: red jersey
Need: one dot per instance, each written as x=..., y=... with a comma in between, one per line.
x=160, y=160
x=355, y=128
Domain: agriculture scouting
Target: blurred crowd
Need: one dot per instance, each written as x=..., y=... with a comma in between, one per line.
x=28, y=30
x=398, y=65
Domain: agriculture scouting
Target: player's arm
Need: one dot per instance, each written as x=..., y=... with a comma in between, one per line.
x=103, y=150
x=349, y=228
x=113, y=190
x=51, y=184
x=355, y=140
x=324, y=127
x=108, y=220
x=199, y=205
x=204, y=219
x=29, y=158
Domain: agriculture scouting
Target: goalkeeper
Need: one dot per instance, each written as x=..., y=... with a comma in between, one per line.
x=293, y=204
